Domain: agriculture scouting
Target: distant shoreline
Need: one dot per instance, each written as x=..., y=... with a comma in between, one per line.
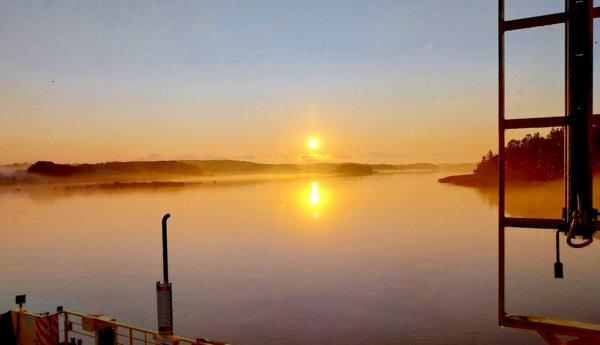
x=470, y=180
x=144, y=173
x=484, y=180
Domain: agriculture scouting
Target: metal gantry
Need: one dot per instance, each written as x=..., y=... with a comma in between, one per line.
x=579, y=218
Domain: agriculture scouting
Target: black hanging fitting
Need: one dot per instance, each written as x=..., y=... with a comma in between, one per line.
x=558, y=266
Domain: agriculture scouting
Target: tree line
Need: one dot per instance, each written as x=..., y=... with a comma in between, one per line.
x=535, y=157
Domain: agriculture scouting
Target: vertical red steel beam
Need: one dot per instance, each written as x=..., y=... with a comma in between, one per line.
x=501, y=165
x=66, y=328
x=565, y=215
x=579, y=64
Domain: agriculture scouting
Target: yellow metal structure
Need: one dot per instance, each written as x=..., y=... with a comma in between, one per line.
x=36, y=329
x=48, y=329
x=579, y=333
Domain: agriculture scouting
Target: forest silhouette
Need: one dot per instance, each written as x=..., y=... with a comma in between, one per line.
x=534, y=157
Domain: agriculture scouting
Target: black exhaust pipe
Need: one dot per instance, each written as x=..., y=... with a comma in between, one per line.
x=165, y=250
x=164, y=292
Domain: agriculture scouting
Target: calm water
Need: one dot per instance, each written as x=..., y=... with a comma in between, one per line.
x=390, y=259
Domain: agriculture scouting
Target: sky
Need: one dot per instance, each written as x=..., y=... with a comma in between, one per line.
x=374, y=81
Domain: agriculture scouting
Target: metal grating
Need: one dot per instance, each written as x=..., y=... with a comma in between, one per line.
x=164, y=303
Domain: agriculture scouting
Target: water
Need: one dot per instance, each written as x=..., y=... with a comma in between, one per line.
x=388, y=259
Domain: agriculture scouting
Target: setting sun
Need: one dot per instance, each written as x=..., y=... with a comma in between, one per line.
x=313, y=143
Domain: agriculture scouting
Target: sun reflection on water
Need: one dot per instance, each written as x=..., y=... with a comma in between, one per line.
x=314, y=199
x=314, y=193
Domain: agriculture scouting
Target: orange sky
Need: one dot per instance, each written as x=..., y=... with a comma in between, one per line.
x=371, y=130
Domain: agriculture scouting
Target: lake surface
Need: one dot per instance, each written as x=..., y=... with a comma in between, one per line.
x=383, y=259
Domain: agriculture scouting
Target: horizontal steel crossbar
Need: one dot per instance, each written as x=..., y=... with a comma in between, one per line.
x=537, y=21
x=532, y=22
x=535, y=122
x=533, y=223
x=542, y=122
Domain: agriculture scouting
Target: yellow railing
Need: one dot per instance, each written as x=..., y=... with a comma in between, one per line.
x=73, y=325
x=126, y=334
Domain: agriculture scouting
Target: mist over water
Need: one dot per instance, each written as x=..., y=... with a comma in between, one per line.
x=383, y=259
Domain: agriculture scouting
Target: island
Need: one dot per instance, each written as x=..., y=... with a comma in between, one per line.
x=533, y=158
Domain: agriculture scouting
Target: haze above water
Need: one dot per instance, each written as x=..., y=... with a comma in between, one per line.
x=382, y=259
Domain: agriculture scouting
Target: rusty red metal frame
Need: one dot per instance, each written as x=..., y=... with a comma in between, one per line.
x=548, y=328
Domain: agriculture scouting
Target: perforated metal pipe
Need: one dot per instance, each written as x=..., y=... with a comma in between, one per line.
x=164, y=303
